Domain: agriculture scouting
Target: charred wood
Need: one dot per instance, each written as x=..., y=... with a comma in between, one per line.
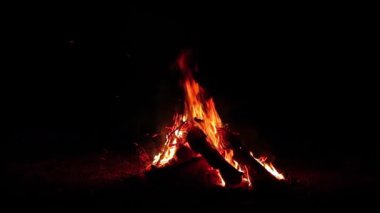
x=198, y=142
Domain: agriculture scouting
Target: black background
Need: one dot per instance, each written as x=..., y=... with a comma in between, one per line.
x=80, y=78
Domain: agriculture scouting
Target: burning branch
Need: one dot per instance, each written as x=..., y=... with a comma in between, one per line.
x=198, y=142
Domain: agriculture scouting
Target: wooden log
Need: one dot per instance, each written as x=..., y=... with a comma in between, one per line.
x=257, y=172
x=197, y=141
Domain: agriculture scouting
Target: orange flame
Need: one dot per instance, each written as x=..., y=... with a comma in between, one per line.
x=197, y=107
x=269, y=167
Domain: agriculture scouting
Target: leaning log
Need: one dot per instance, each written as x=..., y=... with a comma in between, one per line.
x=198, y=143
x=243, y=157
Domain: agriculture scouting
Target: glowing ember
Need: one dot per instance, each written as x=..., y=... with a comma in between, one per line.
x=201, y=113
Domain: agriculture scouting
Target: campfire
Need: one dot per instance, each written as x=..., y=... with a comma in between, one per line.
x=198, y=132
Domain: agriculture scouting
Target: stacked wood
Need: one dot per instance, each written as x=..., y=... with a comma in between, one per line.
x=198, y=143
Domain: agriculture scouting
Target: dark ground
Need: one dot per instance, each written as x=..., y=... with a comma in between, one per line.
x=84, y=82
x=110, y=181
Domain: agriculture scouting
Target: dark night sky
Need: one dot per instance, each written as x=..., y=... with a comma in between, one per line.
x=100, y=75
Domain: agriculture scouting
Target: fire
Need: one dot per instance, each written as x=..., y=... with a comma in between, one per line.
x=173, y=138
x=269, y=167
x=200, y=112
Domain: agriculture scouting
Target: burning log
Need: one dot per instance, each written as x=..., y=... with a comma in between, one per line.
x=257, y=169
x=197, y=140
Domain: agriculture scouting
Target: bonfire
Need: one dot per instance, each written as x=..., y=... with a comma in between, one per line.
x=200, y=129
